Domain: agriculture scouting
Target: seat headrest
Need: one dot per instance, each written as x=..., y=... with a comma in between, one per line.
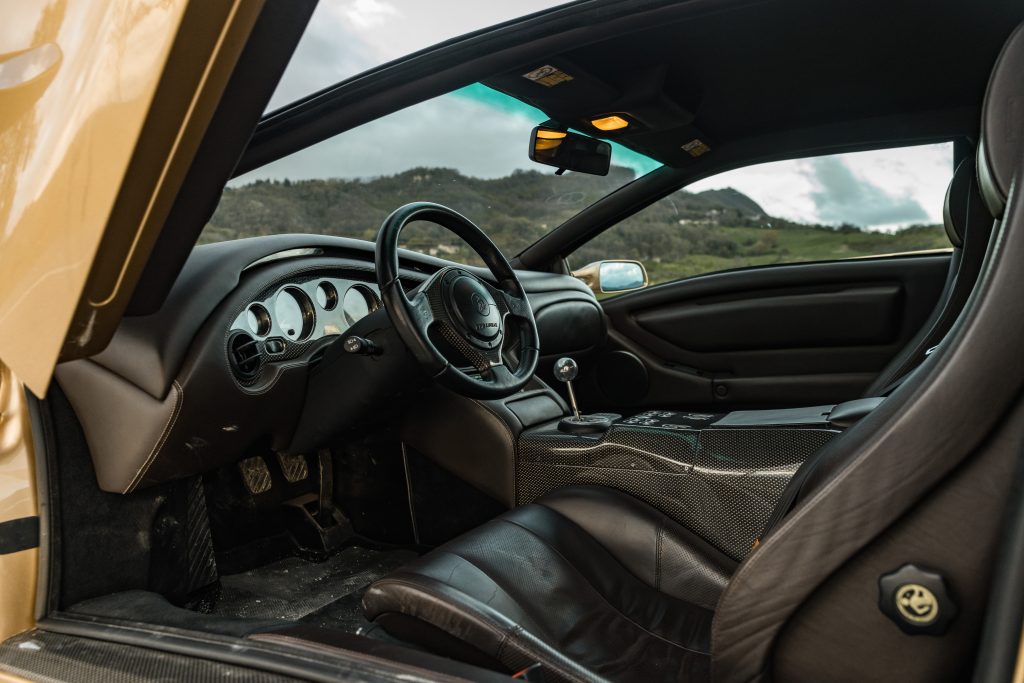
x=1002, y=124
x=964, y=211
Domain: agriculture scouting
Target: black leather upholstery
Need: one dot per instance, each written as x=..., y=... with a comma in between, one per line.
x=587, y=576
x=1001, y=137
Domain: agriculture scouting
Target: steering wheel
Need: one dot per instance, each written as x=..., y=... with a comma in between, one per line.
x=456, y=308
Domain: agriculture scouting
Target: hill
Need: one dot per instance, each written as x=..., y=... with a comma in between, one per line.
x=684, y=234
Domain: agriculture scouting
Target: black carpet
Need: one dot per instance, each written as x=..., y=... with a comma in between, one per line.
x=325, y=594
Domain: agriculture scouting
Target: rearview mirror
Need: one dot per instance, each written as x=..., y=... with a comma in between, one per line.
x=570, y=151
x=613, y=276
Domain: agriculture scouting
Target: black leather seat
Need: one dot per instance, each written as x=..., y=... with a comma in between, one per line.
x=968, y=226
x=594, y=584
x=601, y=573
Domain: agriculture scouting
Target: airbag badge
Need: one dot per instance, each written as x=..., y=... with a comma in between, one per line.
x=473, y=309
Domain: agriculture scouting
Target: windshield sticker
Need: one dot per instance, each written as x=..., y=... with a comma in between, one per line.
x=696, y=147
x=548, y=75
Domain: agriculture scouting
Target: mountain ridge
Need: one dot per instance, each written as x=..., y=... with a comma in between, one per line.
x=683, y=234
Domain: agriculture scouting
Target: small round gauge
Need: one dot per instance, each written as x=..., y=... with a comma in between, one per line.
x=326, y=296
x=294, y=313
x=359, y=302
x=258, y=319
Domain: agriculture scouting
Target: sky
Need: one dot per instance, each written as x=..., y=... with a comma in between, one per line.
x=485, y=134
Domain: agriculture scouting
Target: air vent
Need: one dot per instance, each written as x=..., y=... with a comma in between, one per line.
x=244, y=356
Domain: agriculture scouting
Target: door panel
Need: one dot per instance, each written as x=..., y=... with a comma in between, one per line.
x=766, y=337
x=775, y=319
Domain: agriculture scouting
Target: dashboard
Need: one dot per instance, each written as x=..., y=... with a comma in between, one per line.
x=236, y=360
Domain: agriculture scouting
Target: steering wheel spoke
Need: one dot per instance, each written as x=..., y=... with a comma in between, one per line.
x=501, y=376
x=421, y=312
x=509, y=303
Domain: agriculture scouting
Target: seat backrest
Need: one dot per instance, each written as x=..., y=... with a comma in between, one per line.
x=923, y=479
x=968, y=225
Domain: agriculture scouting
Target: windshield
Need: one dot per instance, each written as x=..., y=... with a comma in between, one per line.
x=466, y=150
x=347, y=37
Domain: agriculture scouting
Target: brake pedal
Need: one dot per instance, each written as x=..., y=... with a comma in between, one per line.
x=255, y=474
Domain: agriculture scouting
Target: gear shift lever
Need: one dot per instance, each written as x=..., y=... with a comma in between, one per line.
x=566, y=371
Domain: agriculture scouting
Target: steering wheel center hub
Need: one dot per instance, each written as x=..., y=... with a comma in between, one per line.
x=473, y=309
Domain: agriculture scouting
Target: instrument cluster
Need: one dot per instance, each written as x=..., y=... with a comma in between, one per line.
x=296, y=313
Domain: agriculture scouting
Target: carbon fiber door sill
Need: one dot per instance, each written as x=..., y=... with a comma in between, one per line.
x=72, y=647
x=57, y=656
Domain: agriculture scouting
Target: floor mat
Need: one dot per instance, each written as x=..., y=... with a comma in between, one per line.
x=325, y=594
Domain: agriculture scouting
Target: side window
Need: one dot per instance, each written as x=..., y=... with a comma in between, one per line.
x=816, y=209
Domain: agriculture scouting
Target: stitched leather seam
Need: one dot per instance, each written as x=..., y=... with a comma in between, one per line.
x=472, y=564
x=168, y=427
x=601, y=595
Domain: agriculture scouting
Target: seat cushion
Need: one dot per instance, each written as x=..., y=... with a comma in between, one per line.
x=588, y=581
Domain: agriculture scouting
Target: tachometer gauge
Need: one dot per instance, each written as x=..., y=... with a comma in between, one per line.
x=293, y=312
x=359, y=302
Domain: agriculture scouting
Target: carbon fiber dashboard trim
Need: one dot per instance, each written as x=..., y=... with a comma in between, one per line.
x=721, y=483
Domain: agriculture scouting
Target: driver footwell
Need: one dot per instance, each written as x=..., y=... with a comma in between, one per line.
x=326, y=594
x=285, y=592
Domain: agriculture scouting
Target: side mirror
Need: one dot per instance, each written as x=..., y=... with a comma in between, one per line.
x=570, y=151
x=613, y=276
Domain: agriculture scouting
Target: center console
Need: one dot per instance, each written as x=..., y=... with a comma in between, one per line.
x=718, y=474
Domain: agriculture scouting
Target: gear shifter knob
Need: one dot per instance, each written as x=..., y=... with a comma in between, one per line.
x=566, y=369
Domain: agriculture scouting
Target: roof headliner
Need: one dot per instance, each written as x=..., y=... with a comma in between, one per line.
x=769, y=69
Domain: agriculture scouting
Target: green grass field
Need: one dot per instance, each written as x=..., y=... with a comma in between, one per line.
x=794, y=245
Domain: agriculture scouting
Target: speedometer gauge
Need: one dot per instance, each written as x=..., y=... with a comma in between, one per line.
x=293, y=312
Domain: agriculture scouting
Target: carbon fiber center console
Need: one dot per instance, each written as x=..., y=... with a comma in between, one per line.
x=719, y=475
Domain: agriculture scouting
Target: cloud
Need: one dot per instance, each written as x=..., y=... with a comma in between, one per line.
x=328, y=53
x=882, y=189
x=370, y=13
x=840, y=196
x=347, y=37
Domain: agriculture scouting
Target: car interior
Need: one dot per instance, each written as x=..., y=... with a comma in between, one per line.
x=303, y=443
